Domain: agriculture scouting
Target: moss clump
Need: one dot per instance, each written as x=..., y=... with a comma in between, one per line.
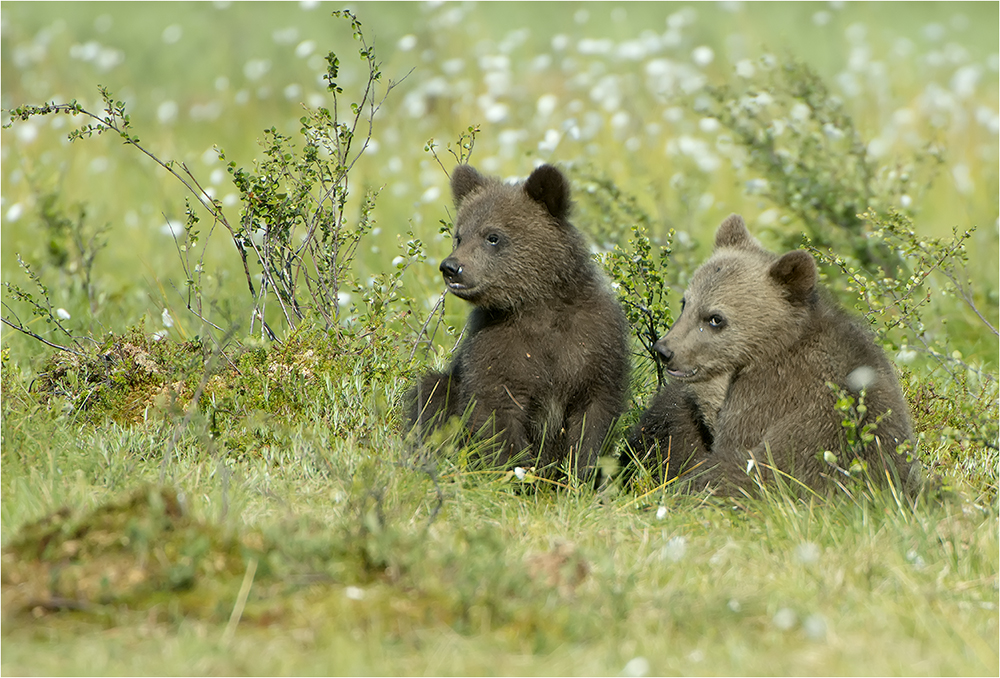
x=246, y=397
x=127, y=553
x=122, y=378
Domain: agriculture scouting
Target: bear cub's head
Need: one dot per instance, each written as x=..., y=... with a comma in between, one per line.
x=513, y=244
x=743, y=304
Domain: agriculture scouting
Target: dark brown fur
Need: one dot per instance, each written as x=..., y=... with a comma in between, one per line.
x=544, y=361
x=750, y=358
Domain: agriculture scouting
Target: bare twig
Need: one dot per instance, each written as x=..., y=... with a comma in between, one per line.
x=24, y=330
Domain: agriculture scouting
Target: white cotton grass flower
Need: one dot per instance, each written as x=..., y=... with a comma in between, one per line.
x=598, y=47
x=217, y=176
x=807, y=553
x=673, y=114
x=682, y=18
x=498, y=83
x=452, y=67
x=620, y=120
x=963, y=179
x=26, y=132
x=285, y=36
x=636, y=667
x=168, y=321
x=15, y=212
x=166, y=112
x=745, y=68
x=768, y=217
x=879, y=147
x=550, y=141
x=674, y=550
x=861, y=378
x=832, y=132
x=709, y=125
x=172, y=34
x=661, y=512
x=520, y=473
x=906, y=355
x=172, y=228
x=255, y=69
x=800, y=112
x=848, y=83
x=62, y=314
x=407, y=42
x=354, y=593
x=703, y=55
x=305, y=48
x=431, y=195
x=496, y=112
x=785, y=619
x=815, y=627
x=915, y=559
x=988, y=119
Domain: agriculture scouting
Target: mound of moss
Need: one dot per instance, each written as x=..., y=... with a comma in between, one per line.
x=133, y=552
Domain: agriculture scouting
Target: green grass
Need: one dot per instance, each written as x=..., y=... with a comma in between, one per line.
x=293, y=466
x=507, y=582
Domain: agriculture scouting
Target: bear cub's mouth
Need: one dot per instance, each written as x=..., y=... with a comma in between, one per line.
x=682, y=374
x=462, y=290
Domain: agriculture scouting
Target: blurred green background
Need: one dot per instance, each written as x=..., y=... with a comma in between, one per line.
x=606, y=85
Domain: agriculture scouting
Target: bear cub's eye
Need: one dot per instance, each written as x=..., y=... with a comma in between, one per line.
x=716, y=321
x=493, y=239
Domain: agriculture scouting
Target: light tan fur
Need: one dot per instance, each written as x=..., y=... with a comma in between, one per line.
x=752, y=354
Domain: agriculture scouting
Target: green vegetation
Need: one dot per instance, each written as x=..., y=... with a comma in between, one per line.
x=206, y=341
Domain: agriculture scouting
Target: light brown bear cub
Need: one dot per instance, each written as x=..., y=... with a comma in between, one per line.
x=544, y=362
x=750, y=360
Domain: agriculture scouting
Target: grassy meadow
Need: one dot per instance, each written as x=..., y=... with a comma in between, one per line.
x=182, y=494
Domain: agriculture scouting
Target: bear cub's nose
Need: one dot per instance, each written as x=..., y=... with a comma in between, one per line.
x=665, y=353
x=451, y=268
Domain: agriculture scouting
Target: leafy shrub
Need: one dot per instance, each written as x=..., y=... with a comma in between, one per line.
x=811, y=159
x=293, y=225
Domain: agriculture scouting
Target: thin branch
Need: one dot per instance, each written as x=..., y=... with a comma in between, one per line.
x=22, y=329
x=423, y=329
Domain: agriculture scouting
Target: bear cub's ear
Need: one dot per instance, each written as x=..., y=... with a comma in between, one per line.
x=464, y=180
x=733, y=233
x=795, y=273
x=548, y=186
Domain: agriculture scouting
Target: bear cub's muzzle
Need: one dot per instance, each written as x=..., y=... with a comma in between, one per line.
x=667, y=358
x=452, y=271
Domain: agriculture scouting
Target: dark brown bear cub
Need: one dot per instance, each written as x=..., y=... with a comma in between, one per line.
x=544, y=361
x=751, y=360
